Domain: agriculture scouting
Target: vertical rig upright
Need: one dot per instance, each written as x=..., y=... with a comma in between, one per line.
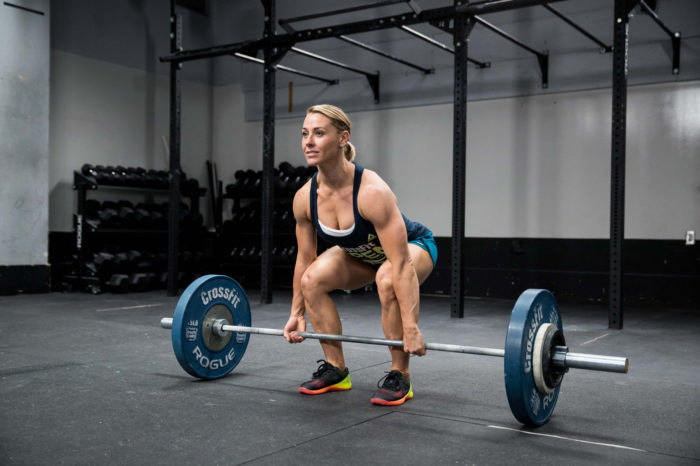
x=462, y=27
x=617, y=167
x=174, y=175
x=268, y=153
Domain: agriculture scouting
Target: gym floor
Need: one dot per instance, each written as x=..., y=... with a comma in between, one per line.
x=93, y=380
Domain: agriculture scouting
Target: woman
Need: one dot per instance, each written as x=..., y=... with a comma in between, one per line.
x=355, y=210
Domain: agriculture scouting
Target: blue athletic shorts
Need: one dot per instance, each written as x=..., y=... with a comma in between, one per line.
x=428, y=243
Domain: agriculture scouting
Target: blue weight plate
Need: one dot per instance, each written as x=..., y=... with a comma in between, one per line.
x=533, y=309
x=200, y=352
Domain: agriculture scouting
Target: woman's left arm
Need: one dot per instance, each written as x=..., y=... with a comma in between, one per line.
x=378, y=204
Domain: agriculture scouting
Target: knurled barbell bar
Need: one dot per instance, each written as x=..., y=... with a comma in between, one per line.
x=208, y=345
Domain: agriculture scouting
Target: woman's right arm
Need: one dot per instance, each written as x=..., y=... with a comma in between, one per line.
x=306, y=254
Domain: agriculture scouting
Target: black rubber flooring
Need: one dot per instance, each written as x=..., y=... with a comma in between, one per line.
x=93, y=380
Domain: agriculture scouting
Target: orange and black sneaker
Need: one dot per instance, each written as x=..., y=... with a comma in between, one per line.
x=394, y=390
x=327, y=378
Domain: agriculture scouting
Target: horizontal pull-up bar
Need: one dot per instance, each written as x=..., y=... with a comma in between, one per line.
x=505, y=35
x=287, y=69
x=372, y=78
x=603, y=47
x=542, y=58
x=385, y=54
x=444, y=47
x=315, y=56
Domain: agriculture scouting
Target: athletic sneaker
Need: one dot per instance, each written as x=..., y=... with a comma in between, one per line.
x=394, y=390
x=327, y=378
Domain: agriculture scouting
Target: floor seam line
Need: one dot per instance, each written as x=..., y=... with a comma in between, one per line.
x=290, y=447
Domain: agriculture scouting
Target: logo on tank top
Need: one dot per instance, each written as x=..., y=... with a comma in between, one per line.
x=370, y=252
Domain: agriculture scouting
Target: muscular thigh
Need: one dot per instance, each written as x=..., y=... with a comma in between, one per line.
x=422, y=262
x=338, y=271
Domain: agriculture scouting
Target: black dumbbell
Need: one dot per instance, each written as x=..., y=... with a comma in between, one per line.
x=121, y=262
x=286, y=168
x=139, y=174
x=104, y=261
x=139, y=281
x=127, y=216
x=118, y=283
x=145, y=262
x=108, y=214
x=111, y=175
x=142, y=216
x=235, y=189
x=163, y=177
x=90, y=171
x=101, y=174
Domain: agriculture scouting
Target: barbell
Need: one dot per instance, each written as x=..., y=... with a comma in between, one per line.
x=211, y=327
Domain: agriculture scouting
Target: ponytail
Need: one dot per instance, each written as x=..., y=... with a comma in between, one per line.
x=349, y=152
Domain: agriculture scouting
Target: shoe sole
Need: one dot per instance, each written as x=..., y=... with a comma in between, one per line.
x=400, y=401
x=341, y=386
x=332, y=388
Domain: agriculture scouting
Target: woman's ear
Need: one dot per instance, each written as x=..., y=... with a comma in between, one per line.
x=344, y=137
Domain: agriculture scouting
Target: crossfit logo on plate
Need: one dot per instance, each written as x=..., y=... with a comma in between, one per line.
x=229, y=294
x=534, y=325
x=213, y=364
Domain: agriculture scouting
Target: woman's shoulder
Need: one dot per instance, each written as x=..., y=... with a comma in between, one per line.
x=374, y=193
x=372, y=182
x=301, y=199
x=303, y=192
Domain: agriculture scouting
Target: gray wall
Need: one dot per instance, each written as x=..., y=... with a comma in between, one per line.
x=24, y=133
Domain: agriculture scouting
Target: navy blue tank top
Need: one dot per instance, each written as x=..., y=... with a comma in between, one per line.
x=361, y=239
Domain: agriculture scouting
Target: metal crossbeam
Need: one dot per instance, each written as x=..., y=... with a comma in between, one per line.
x=286, y=21
x=348, y=29
x=494, y=6
x=604, y=48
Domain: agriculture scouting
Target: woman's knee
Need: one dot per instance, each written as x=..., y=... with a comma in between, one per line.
x=312, y=283
x=385, y=283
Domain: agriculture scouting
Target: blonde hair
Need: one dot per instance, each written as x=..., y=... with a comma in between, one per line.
x=339, y=120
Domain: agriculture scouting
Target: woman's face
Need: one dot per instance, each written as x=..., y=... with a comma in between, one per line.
x=320, y=141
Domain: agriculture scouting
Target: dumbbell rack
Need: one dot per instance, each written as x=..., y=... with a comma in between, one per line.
x=82, y=184
x=236, y=237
